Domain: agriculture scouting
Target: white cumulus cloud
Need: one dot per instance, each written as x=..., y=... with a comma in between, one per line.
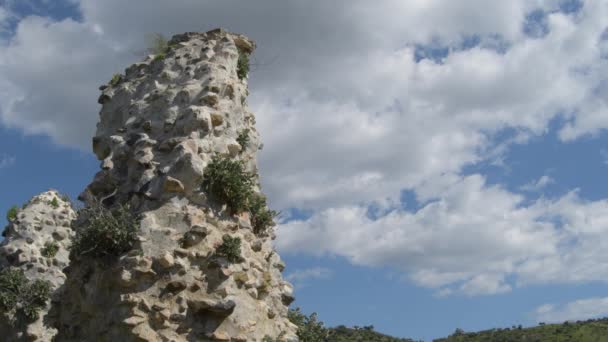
x=538, y=185
x=581, y=309
x=351, y=116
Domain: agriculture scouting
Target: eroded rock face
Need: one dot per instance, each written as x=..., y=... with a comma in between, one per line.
x=160, y=125
x=37, y=242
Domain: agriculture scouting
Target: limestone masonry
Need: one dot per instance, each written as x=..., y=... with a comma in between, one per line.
x=161, y=122
x=38, y=224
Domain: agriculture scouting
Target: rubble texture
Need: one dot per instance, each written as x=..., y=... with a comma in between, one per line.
x=45, y=220
x=161, y=123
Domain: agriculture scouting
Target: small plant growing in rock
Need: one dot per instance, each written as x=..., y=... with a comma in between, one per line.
x=11, y=214
x=266, y=287
x=261, y=217
x=270, y=339
x=104, y=232
x=54, y=203
x=50, y=249
x=34, y=298
x=230, y=248
x=115, y=80
x=243, y=139
x=159, y=57
x=158, y=44
x=228, y=181
x=19, y=297
x=242, y=66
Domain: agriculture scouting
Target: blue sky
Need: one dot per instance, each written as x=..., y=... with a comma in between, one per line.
x=433, y=176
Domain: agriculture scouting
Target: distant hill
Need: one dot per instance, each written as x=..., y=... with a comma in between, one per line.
x=310, y=329
x=593, y=330
x=363, y=334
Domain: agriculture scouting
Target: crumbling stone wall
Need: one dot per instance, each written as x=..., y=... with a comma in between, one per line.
x=161, y=124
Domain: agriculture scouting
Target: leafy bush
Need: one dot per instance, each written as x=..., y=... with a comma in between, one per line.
x=11, y=214
x=54, y=203
x=309, y=328
x=104, y=232
x=50, y=249
x=242, y=66
x=230, y=248
x=115, y=80
x=35, y=297
x=20, y=298
x=270, y=339
x=262, y=218
x=243, y=138
x=228, y=181
x=159, y=57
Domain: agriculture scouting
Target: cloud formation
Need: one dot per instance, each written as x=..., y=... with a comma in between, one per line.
x=300, y=277
x=6, y=161
x=581, y=309
x=538, y=185
x=469, y=241
x=358, y=102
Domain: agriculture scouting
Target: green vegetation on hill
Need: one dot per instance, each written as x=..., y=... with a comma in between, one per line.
x=580, y=331
x=360, y=334
x=310, y=329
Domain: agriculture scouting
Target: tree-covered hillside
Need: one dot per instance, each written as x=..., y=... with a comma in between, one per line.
x=313, y=330
x=592, y=330
x=362, y=334
x=580, y=331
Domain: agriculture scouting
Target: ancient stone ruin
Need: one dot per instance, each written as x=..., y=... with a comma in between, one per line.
x=175, y=140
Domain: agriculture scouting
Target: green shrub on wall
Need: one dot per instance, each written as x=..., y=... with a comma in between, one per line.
x=104, y=232
x=11, y=214
x=242, y=67
x=50, y=249
x=115, y=80
x=20, y=298
x=261, y=217
x=227, y=181
x=54, y=203
x=243, y=139
x=230, y=248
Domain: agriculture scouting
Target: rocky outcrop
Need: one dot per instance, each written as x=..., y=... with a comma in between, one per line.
x=161, y=124
x=36, y=241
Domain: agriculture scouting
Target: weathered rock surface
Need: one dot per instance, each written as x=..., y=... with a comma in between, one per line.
x=43, y=222
x=160, y=125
